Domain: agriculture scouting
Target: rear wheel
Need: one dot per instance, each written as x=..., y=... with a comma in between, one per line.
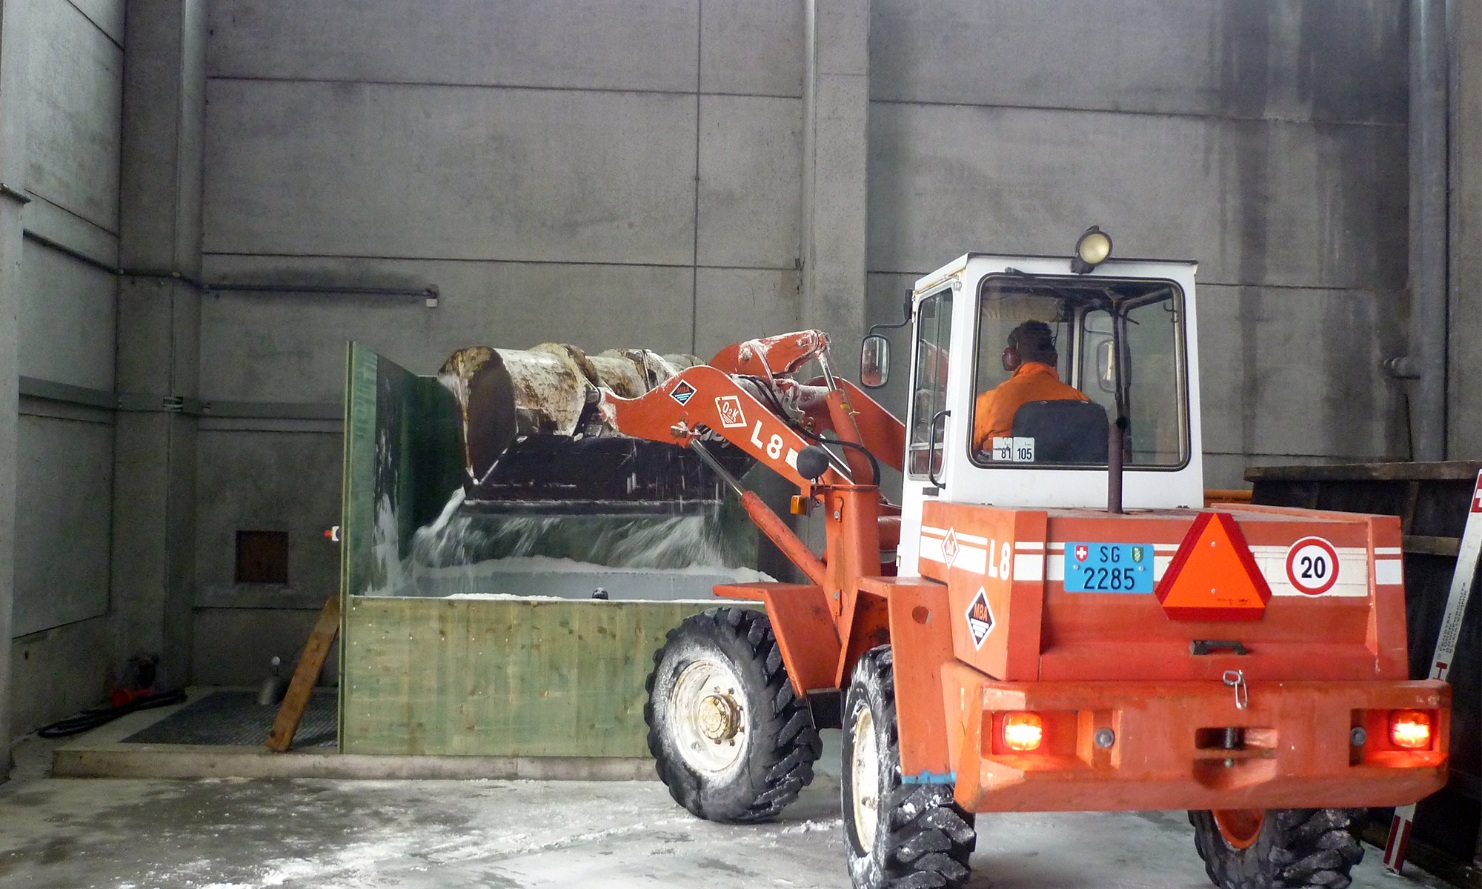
x=730, y=738
x=896, y=834
x=1276, y=848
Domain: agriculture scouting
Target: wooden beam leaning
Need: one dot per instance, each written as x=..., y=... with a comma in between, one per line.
x=310, y=663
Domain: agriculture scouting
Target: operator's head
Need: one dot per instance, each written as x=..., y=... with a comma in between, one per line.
x=1030, y=341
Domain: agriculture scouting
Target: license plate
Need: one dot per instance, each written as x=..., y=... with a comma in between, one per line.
x=1108, y=568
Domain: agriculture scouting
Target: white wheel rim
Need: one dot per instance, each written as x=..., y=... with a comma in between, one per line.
x=709, y=716
x=864, y=779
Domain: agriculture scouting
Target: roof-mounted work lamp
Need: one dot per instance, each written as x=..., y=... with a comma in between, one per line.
x=1091, y=250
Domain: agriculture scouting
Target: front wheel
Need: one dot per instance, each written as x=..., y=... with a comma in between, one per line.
x=1277, y=848
x=730, y=738
x=896, y=834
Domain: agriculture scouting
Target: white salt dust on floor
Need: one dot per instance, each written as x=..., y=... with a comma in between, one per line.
x=340, y=834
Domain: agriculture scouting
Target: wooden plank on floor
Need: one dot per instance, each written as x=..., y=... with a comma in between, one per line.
x=310, y=664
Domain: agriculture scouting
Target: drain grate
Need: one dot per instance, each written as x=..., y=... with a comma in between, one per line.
x=231, y=717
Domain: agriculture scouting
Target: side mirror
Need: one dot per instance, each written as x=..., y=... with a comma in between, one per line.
x=874, y=361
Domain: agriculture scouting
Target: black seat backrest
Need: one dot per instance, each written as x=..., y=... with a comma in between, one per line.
x=1064, y=431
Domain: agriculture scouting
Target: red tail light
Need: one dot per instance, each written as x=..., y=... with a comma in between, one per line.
x=1023, y=732
x=1410, y=729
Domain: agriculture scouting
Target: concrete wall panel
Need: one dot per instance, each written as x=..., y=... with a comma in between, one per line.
x=60, y=671
x=254, y=637
x=165, y=97
x=67, y=313
x=1293, y=375
x=742, y=304
x=377, y=170
x=750, y=181
x=1254, y=202
x=1463, y=395
x=635, y=45
x=106, y=15
x=76, y=104
x=242, y=486
x=265, y=347
x=1332, y=60
x=158, y=325
x=65, y=473
x=752, y=47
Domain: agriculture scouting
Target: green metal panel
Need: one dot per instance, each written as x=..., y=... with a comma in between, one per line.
x=402, y=463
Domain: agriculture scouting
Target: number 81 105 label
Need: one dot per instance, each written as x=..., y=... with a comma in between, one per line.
x=1108, y=567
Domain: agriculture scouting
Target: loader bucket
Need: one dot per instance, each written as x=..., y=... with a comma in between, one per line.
x=547, y=474
x=409, y=529
x=533, y=443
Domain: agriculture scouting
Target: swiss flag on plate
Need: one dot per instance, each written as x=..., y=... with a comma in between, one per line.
x=1081, y=552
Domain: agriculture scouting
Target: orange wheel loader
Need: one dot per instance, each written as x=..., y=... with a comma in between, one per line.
x=1050, y=619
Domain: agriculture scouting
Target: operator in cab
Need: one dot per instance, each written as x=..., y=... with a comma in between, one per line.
x=1031, y=359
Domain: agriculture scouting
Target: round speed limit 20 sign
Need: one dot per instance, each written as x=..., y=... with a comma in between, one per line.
x=1312, y=566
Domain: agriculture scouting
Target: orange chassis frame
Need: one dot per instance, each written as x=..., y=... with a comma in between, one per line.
x=1114, y=739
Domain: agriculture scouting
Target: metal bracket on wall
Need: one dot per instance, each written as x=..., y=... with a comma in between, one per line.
x=14, y=194
x=162, y=274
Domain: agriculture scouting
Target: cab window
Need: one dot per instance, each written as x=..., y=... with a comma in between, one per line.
x=1059, y=359
x=929, y=383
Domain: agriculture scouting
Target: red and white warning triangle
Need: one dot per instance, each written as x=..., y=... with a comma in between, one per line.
x=1214, y=576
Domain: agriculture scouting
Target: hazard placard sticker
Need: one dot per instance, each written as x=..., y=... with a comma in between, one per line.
x=950, y=547
x=1312, y=566
x=682, y=393
x=729, y=408
x=979, y=618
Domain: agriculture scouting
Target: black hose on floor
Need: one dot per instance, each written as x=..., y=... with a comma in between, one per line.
x=96, y=716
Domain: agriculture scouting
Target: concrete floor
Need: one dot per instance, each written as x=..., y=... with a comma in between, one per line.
x=226, y=833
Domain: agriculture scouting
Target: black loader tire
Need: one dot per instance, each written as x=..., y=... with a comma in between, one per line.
x=1283, y=848
x=730, y=738
x=918, y=835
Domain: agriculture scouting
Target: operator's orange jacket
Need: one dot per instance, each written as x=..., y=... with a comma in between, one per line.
x=1033, y=381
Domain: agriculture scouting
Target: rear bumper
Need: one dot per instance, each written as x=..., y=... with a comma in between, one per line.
x=1186, y=745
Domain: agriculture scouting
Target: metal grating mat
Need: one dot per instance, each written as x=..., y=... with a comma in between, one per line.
x=232, y=717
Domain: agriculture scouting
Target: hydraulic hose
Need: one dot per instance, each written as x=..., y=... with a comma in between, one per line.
x=90, y=719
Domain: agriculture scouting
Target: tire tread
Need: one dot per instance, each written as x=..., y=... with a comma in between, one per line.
x=1297, y=849
x=930, y=837
x=785, y=767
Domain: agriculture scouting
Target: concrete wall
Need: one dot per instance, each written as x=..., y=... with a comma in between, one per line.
x=12, y=202
x=1265, y=140
x=675, y=174
x=67, y=297
x=615, y=174
x=1464, y=396
x=549, y=170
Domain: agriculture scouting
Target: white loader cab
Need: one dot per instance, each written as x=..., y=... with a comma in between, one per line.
x=1124, y=336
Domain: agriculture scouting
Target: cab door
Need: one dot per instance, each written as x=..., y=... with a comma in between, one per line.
x=928, y=418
